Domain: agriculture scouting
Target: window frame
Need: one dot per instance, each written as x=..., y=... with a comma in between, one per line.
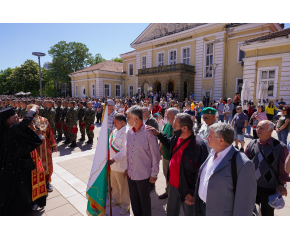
x=142, y=64
x=259, y=79
x=238, y=55
x=237, y=86
x=181, y=57
x=109, y=84
x=116, y=90
x=169, y=51
x=93, y=92
x=204, y=62
x=129, y=90
x=157, y=62
x=129, y=69
x=76, y=91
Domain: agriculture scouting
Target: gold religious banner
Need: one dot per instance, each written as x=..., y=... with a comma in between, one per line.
x=174, y=41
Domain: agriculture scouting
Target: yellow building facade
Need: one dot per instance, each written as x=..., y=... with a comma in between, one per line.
x=267, y=61
x=205, y=59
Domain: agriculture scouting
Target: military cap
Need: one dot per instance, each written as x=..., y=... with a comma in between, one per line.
x=209, y=110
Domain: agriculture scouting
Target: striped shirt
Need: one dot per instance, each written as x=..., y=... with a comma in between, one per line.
x=143, y=154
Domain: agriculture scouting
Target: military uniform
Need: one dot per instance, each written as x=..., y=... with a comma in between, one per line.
x=89, y=120
x=40, y=111
x=64, y=113
x=72, y=119
x=81, y=115
x=18, y=111
x=50, y=116
x=58, y=115
x=23, y=112
x=1, y=107
x=7, y=105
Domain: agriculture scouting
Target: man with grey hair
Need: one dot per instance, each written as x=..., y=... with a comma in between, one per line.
x=168, y=131
x=148, y=119
x=187, y=153
x=226, y=184
x=228, y=111
x=143, y=158
x=269, y=156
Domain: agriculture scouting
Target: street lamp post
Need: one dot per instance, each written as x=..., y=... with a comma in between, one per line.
x=214, y=66
x=39, y=54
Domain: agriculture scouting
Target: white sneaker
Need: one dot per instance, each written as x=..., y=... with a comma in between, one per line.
x=124, y=211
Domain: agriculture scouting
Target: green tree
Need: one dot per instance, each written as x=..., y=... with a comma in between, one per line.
x=5, y=83
x=67, y=58
x=116, y=59
x=95, y=60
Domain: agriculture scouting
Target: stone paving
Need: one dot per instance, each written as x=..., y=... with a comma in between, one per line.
x=71, y=173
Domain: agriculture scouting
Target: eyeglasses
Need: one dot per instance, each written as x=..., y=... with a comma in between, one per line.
x=205, y=118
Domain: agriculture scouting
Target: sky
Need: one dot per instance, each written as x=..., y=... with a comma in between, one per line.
x=19, y=40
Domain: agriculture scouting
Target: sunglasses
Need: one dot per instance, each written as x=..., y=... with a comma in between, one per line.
x=205, y=118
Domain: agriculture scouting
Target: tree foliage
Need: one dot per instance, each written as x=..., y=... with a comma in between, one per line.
x=116, y=59
x=95, y=60
x=5, y=83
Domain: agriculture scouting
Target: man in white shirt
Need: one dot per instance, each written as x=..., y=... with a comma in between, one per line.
x=226, y=184
x=118, y=162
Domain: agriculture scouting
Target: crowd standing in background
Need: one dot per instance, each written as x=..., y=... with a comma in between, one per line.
x=194, y=140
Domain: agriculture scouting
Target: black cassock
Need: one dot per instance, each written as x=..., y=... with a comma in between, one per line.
x=16, y=143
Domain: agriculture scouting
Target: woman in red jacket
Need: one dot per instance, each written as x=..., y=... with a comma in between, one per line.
x=249, y=114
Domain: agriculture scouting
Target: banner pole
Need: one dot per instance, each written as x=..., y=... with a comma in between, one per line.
x=109, y=177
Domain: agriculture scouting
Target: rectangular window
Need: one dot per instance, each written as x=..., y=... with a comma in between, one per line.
x=107, y=90
x=131, y=69
x=93, y=90
x=131, y=91
x=268, y=78
x=239, y=85
x=118, y=91
x=143, y=62
x=160, y=59
x=186, y=56
x=208, y=60
x=77, y=91
x=172, y=57
x=241, y=54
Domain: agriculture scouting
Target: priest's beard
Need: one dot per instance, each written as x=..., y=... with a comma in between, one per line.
x=131, y=126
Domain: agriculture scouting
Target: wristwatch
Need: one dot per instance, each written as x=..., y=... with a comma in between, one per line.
x=284, y=185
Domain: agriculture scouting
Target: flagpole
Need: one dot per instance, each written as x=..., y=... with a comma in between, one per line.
x=109, y=178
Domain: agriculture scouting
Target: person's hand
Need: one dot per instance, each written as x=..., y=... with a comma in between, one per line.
x=35, y=108
x=282, y=190
x=277, y=130
x=111, y=161
x=152, y=130
x=125, y=174
x=74, y=126
x=54, y=148
x=189, y=200
x=243, y=130
x=152, y=179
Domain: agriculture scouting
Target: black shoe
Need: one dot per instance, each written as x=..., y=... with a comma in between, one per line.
x=90, y=141
x=67, y=141
x=82, y=139
x=73, y=145
x=49, y=188
x=237, y=147
x=163, y=196
x=241, y=149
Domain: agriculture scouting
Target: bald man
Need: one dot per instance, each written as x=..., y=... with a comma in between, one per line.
x=269, y=155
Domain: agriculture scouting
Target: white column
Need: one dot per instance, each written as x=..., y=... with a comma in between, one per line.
x=285, y=80
x=198, y=70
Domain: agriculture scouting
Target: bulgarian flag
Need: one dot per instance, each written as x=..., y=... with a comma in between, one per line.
x=97, y=185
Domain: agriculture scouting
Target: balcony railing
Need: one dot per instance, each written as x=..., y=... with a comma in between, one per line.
x=167, y=68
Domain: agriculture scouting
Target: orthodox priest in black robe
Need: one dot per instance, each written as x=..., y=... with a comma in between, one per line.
x=17, y=140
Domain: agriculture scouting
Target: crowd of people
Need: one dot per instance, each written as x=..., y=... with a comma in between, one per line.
x=206, y=171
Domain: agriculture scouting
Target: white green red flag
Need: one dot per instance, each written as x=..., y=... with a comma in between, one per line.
x=97, y=185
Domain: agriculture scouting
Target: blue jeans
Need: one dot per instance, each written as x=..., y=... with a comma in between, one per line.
x=229, y=119
x=282, y=135
x=248, y=129
x=288, y=146
x=221, y=117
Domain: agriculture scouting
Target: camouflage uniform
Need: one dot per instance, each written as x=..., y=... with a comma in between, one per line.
x=18, y=111
x=81, y=115
x=7, y=106
x=64, y=113
x=58, y=115
x=1, y=106
x=89, y=120
x=51, y=119
x=44, y=113
x=72, y=119
x=40, y=111
x=23, y=112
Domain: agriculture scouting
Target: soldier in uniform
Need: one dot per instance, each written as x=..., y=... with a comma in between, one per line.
x=45, y=109
x=81, y=114
x=23, y=111
x=71, y=121
x=1, y=107
x=58, y=115
x=63, y=116
x=41, y=109
x=50, y=113
x=18, y=107
x=7, y=105
x=89, y=120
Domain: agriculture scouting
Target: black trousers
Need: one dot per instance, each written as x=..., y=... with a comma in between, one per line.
x=262, y=199
x=99, y=117
x=198, y=118
x=140, y=196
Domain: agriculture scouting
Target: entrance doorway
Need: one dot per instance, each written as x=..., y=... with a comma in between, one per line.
x=158, y=87
x=185, y=89
x=170, y=87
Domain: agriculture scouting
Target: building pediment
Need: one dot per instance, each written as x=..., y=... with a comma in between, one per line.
x=159, y=30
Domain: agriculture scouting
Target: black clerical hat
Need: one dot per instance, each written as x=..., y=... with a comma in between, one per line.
x=5, y=114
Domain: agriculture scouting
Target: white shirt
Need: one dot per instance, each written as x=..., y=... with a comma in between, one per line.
x=208, y=170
